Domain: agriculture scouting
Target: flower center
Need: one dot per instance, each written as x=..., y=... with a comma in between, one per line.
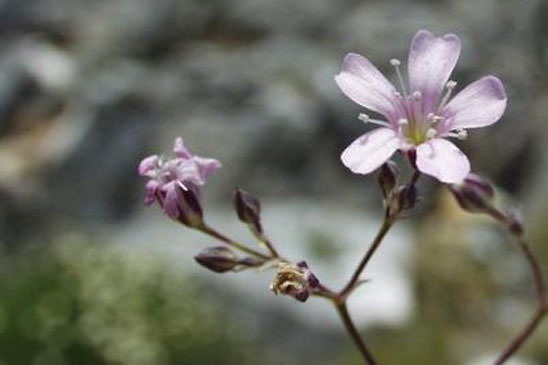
x=419, y=124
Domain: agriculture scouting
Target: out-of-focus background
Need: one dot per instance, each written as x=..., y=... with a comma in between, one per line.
x=89, y=276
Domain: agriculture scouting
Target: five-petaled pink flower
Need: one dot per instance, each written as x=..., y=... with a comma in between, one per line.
x=421, y=117
x=185, y=171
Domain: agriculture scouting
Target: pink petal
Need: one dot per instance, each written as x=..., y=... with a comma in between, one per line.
x=480, y=104
x=370, y=151
x=364, y=84
x=148, y=164
x=171, y=203
x=180, y=149
x=150, y=191
x=443, y=160
x=431, y=61
x=206, y=166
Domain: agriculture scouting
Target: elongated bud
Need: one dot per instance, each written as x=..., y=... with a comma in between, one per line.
x=296, y=281
x=248, y=208
x=407, y=197
x=474, y=194
x=183, y=205
x=219, y=259
x=388, y=177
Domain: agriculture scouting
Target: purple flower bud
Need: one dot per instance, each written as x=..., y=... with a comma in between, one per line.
x=219, y=259
x=313, y=281
x=474, y=194
x=407, y=197
x=301, y=295
x=248, y=208
x=388, y=177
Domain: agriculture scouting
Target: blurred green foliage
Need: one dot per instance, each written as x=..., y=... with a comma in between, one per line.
x=84, y=304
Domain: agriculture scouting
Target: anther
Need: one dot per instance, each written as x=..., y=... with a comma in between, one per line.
x=395, y=62
x=451, y=84
x=364, y=117
x=462, y=134
x=403, y=121
x=431, y=133
x=417, y=95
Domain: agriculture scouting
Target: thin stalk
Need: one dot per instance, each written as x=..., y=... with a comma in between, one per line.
x=385, y=227
x=516, y=343
x=213, y=233
x=539, y=280
x=353, y=332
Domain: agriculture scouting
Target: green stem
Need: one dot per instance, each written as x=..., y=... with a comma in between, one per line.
x=354, y=334
x=213, y=233
x=540, y=285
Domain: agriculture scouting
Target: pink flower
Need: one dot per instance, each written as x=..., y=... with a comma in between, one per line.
x=421, y=117
x=171, y=179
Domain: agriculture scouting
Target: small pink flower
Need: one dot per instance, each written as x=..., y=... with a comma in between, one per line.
x=186, y=171
x=421, y=117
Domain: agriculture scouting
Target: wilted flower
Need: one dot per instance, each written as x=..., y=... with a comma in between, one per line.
x=174, y=182
x=294, y=280
x=420, y=117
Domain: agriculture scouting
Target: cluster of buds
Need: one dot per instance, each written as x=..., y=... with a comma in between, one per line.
x=222, y=259
x=295, y=280
x=397, y=198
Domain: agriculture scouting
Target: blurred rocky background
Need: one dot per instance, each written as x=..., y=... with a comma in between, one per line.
x=89, y=87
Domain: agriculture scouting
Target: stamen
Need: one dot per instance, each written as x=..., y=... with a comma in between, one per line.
x=459, y=134
x=403, y=121
x=366, y=119
x=417, y=95
x=396, y=64
x=363, y=117
x=438, y=118
x=433, y=118
x=450, y=85
x=431, y=133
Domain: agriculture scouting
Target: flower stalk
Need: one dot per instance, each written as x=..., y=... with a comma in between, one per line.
x=515, y=228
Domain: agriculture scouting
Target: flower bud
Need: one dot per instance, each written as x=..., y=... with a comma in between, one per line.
x=219, y=259
x=403, y=198
x=182, y=204
x=388, y=177
x=296, y=281
x=407, y=197
x=248, y=208
x=474, y=194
